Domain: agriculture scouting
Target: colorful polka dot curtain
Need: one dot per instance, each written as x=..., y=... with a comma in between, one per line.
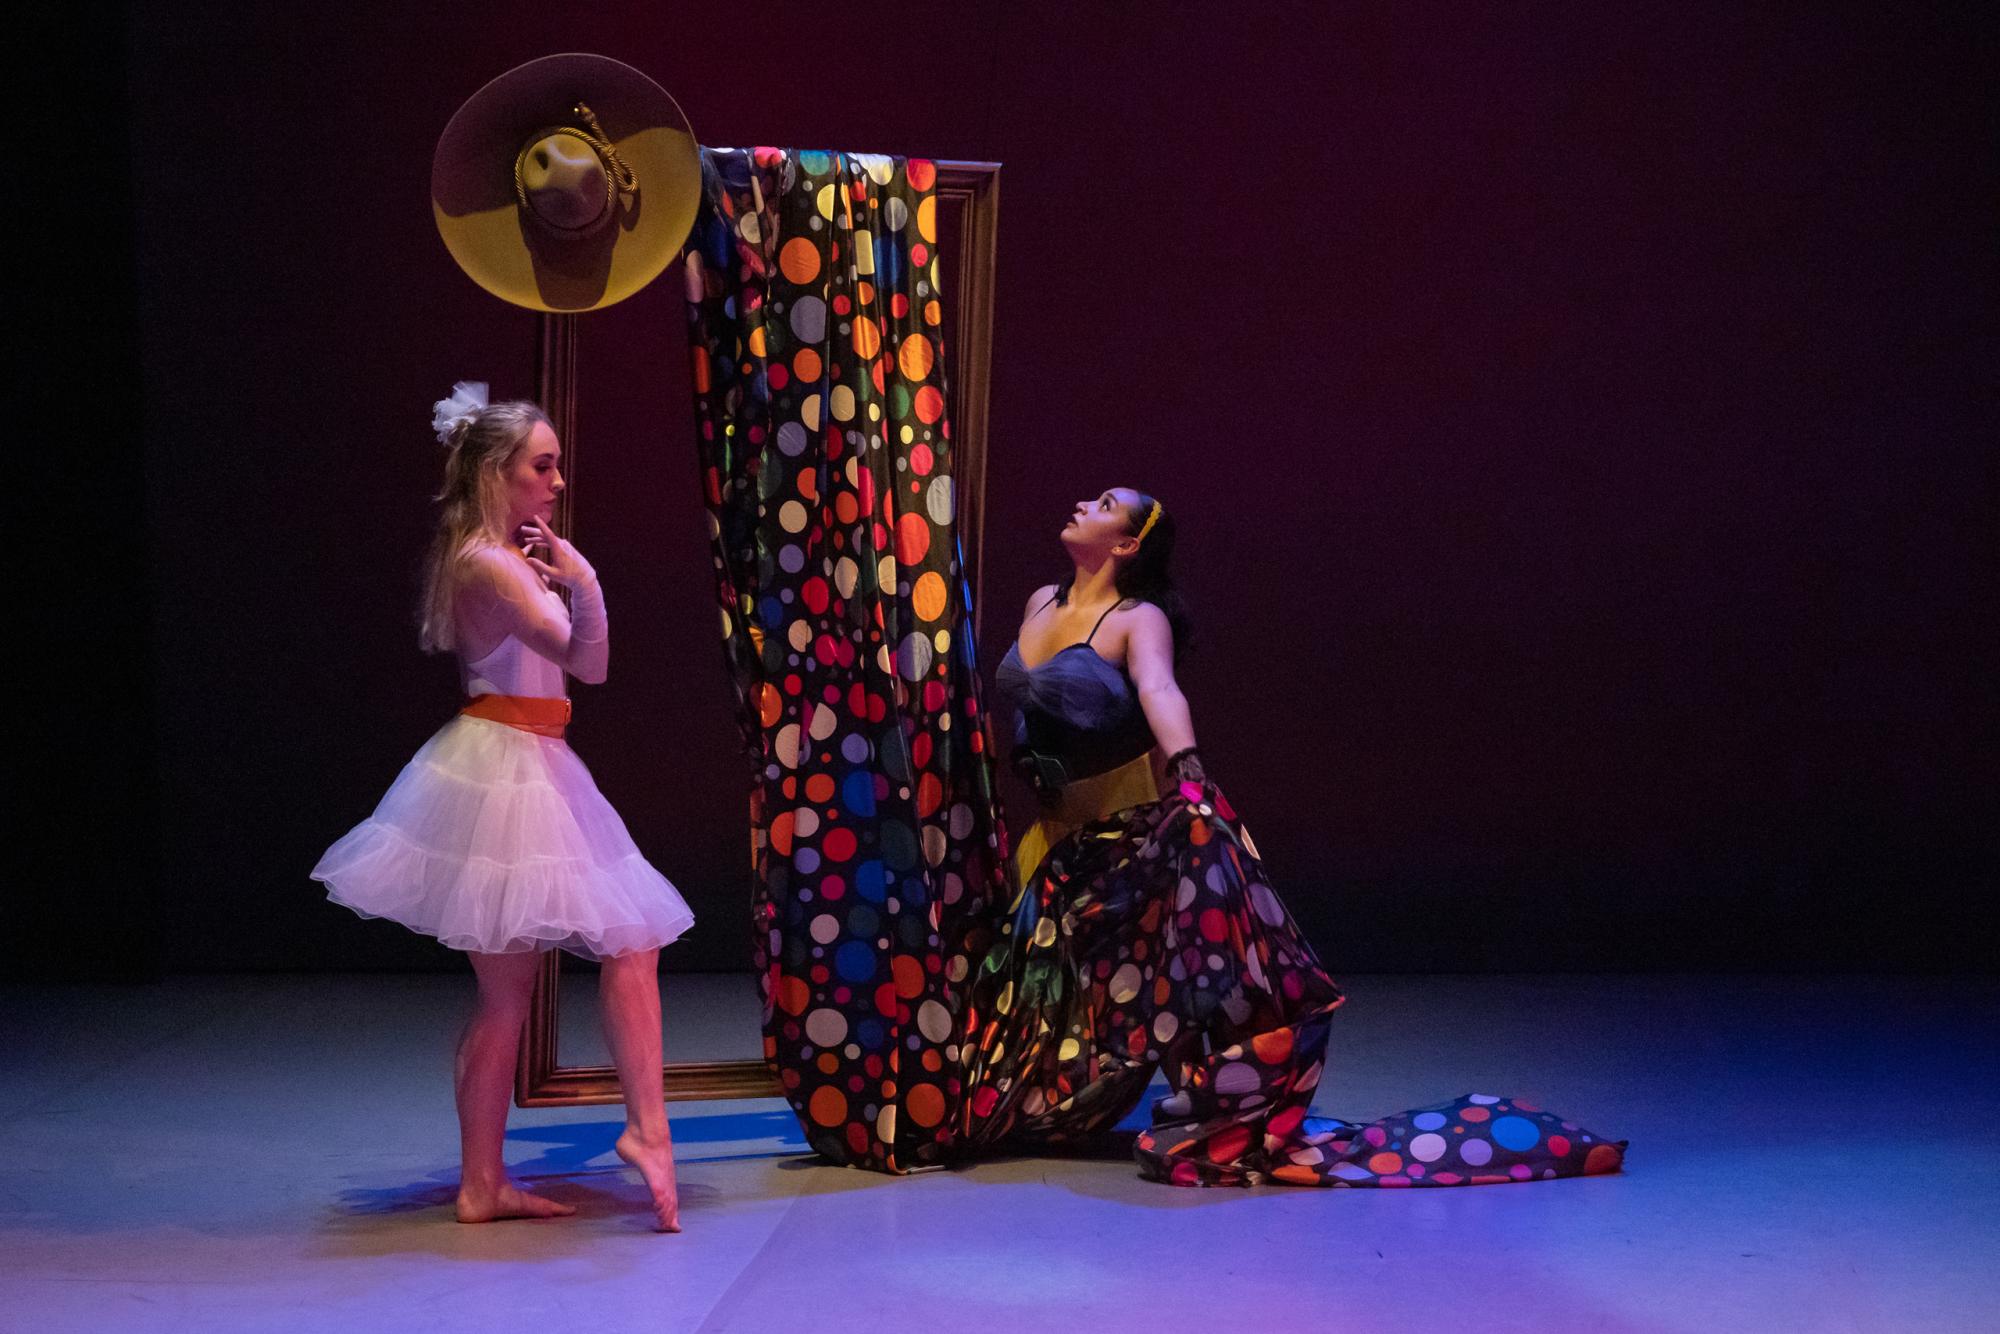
x=816, y=337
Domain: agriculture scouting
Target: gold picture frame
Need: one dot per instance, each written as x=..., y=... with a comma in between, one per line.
x=968, y=216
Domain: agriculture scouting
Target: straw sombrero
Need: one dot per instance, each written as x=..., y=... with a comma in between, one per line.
x=566, y=184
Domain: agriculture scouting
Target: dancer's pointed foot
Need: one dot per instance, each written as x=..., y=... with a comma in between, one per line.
x=655, y=1162
x=491, y=1204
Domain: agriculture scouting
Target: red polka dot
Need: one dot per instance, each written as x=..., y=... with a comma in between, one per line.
x=1226, y=1146
x=1601, y=1159
x=913, y=538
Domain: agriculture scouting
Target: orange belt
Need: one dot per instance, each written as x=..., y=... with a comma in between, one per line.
x=544, y=717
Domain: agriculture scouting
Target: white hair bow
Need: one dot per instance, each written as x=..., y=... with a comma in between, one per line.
x=448, y=414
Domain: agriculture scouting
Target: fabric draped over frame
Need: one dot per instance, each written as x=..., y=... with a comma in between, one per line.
x=826, y=455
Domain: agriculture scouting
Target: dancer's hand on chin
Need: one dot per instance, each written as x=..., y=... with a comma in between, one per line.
x=565, y=564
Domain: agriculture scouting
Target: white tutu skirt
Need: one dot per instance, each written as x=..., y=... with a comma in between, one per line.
x=496, y=840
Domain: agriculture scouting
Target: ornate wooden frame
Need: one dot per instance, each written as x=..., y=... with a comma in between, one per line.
x=970, y=193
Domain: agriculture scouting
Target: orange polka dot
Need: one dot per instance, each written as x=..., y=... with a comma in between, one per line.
x=1601, y=1159
x=1298, y=1176
x=757, y=341
x=1198, y=833
x=933, y=313
x=769, y=703
x=927, y=219
x=807, y=366
x=844, y=507
x=867, y=339
x=793, y=995
x=929, y=404
x=922, y=173
x=701, y=371
x=930, y=795
x=799, y=260
x=781, y=834
x=1474, y=1114
x=1382, y=1164
x=819, y=789
x=828, y=1063
x=828, y=1105
x=915, y=357
x=925, y=1104
x=932, y=1061
x=909, y=976
x=1271, y=1048
x=913, y=538
x=928, y=597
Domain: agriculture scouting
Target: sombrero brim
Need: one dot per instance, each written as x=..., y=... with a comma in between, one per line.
x=479, y=215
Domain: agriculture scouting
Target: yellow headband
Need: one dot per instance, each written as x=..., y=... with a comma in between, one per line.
x=1151, y=519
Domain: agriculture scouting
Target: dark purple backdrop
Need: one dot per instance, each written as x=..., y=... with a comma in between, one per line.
x=1578, y=420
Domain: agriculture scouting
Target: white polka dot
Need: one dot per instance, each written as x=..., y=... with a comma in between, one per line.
x=826, y=1028
x=1125, y=983
x=1427, y=1148
x=934, y=1021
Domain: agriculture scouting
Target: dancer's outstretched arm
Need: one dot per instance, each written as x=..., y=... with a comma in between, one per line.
x=1149, y=657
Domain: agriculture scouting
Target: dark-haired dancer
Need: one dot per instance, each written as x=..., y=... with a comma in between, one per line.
x=494, y=839
x=1144, y=934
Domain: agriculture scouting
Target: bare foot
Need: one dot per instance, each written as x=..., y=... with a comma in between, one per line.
x=656, y=1164
x=509, y=1201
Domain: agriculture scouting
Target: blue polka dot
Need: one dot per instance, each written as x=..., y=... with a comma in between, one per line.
x=857, y=794
x=871, y=882
x=868, y=1033
x=855, y=961
x=1512, y=1132
x=1428, y=1120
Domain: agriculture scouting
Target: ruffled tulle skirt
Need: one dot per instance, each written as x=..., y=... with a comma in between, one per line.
x=496, y=840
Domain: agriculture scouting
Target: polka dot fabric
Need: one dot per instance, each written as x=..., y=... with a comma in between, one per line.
x=827, y=469
x=1152, y=939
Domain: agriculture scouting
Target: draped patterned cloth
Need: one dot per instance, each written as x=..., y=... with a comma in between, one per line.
x=816, y=337
x=1151, y=939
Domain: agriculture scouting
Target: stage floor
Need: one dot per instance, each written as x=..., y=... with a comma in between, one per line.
x=279, y=1153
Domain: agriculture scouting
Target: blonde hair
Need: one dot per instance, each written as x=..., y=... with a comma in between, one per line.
x=479, y=449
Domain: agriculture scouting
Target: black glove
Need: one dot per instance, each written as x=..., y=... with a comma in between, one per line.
x=1184, y=766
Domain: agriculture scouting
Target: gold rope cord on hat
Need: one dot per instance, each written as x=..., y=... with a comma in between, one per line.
x=618, y=175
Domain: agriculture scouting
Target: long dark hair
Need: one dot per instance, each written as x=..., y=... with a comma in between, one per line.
x=1147, y=576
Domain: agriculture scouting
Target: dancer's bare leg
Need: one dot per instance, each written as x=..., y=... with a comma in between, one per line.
x=484, y=1083
x=629, y=986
